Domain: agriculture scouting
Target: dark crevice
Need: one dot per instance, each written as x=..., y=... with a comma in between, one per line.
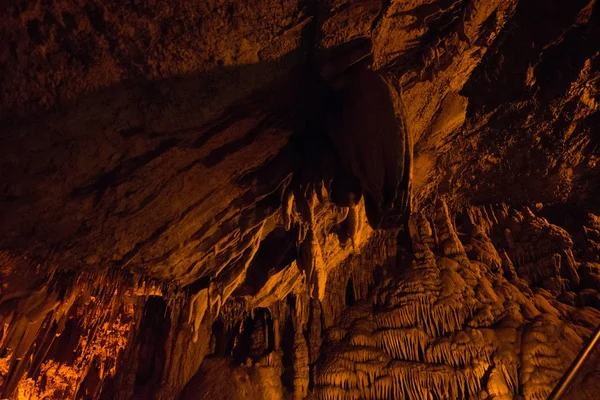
x=350, y=298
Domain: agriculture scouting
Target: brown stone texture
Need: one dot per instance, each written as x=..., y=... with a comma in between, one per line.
x=313, y=199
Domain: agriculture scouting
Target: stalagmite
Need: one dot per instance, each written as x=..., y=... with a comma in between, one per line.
x=301, y=362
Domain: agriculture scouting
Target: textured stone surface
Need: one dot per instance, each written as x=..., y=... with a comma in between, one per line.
x=331, y=199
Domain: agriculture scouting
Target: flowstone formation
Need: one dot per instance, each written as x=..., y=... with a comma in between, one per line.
x=456, y=318
x=321, y=199
x=460, y=321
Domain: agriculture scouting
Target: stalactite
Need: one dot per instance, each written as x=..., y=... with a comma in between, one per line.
x=405, y=334
x=198, y=307
x=101, y=306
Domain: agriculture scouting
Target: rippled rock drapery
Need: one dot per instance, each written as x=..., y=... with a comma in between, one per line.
x=455, y=319
x=207, y=200
x=454, y=325
x=375, y=145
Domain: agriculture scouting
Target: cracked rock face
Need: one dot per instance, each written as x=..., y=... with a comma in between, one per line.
x=308, y=199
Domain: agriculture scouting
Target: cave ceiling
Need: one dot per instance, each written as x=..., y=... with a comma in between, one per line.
x=322, y=199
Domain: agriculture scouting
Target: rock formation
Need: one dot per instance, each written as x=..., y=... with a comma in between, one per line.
x=302, y=199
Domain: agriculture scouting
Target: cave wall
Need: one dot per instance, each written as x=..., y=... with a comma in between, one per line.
x=315, y=198
x=494, y=305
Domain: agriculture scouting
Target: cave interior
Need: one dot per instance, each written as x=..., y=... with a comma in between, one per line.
x=308, y=199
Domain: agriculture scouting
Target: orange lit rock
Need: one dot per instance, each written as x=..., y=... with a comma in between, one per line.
x=304, y=199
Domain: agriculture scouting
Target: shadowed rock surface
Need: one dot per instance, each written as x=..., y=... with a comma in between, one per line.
x=302, y=199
